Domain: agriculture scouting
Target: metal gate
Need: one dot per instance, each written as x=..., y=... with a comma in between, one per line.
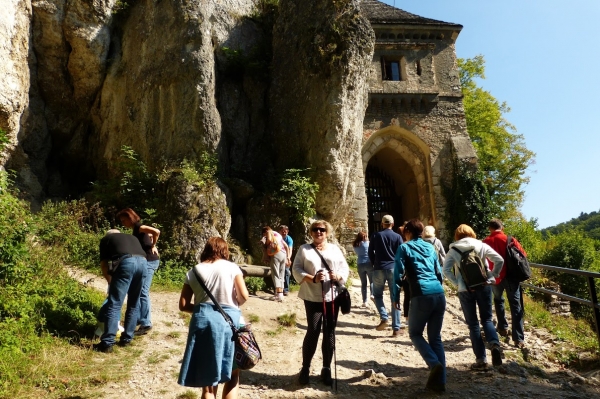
x=381, y=198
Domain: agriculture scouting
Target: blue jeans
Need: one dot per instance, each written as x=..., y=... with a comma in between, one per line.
x=428, y=310
x=126, y=280
x=145, y=307
x=513, y=293
x=365, y=270
x=379, y=279
x=286, y=280
x=470, y=301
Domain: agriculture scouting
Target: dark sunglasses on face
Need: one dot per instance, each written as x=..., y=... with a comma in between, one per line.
x=321, y=229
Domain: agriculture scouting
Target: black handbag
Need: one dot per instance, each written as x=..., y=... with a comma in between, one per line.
x=247, y=353
x=343, y=297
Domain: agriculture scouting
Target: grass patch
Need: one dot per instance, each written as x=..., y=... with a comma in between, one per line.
x=578, y=333
x=189, y=394
x=185, y=316
x=253, y=318
x=272, y=333
x=287, y=320
x=174, y=334
x=156, y=358
x=168, y=323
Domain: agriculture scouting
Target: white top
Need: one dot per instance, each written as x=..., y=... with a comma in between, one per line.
x=219, y=278
x=308, y=262
x=453, y=258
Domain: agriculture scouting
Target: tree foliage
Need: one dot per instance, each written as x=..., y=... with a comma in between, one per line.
x=503, y=156
x=589, y=223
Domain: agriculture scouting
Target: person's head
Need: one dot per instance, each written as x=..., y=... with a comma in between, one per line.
x=413, y=229
x=495, y=224
x=215, y=248
x=428, y=232
x=387, y=221
x=360, y=237
x=267, y=232
x=320, y=230
x=112, y=231
x=128, y=217
x=284, y=230
x=463, y=231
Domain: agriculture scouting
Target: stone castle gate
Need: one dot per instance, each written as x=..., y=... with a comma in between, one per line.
x=414, y=124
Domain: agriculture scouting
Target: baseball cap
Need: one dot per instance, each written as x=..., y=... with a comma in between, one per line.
x=387, y=219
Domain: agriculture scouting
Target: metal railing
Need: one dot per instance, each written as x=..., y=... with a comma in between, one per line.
x=589, y=276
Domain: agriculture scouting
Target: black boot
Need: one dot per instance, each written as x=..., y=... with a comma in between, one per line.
x=326, y=376
x=303, y=378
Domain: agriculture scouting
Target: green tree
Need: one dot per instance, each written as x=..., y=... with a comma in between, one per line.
x=503, y=156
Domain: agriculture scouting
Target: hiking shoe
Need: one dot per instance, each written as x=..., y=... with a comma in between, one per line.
x=435, y=376
x=285, y=293
x=396, y=333
x=496, y=355
x=372, y=298
x=276, y=298
x=123, y=344
x=304, y=377
x=143, y=330
x=102, y=347
x=382, y=325
x=479, y=366
x=503, y=332
x=520, y=345
x=326, y=376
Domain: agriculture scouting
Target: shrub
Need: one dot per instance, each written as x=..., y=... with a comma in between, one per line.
x=255, y=284
x=298, y=193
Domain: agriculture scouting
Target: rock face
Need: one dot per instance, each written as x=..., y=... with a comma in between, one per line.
x=322, y=51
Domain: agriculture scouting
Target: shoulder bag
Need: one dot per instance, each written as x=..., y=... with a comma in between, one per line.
x=343, y=297
x=247, y=353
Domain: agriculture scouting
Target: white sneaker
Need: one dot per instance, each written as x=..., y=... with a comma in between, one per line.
x=276, y=298
x=364, y=305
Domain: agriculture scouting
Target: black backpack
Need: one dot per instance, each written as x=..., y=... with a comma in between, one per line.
x=517, y=265
x=472, y=268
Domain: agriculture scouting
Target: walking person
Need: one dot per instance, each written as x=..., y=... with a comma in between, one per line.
x=382, y=251
x=477, y=298
x=275, y=254
x=318, y=290
x=429, y=236
x=147, y=236
x=498, y=240
x=208, y=358
x=123, y=264
x=418, y=263
x=284, y=231
x=364, y=266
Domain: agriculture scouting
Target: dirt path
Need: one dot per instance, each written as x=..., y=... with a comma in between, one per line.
x=370, y=363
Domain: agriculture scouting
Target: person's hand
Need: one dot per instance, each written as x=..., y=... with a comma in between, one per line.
x=333, y=276
x=397, y=305
x=319, y=276
x=289, y=262
x=154, y=250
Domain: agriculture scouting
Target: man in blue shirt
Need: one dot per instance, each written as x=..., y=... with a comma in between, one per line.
x=284, y=230
x=382, y=251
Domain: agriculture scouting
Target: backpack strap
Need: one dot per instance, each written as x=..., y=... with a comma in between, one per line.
x=459, y=251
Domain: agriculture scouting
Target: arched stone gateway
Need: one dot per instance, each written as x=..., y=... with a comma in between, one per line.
x=414, y=126
x=398, y=179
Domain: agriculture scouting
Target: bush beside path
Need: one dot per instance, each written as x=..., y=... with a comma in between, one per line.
x=370, y=363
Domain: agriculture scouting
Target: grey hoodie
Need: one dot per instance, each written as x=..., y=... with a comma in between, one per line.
x=484, y=251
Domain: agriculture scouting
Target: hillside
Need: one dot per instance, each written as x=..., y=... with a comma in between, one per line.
x=589, y=223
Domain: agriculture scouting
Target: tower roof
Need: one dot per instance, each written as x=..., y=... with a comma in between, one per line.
x=381, y=13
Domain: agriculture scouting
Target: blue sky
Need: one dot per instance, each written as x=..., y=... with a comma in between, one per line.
x=543, y=60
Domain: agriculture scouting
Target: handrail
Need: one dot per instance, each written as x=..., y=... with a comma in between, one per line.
x=590, y=276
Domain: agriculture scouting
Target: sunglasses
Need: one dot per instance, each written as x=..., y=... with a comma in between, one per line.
x=321, y=229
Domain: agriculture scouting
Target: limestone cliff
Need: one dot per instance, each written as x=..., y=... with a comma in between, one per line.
x=322, y=51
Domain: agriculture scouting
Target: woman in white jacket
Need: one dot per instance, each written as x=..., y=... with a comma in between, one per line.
x=478, y=297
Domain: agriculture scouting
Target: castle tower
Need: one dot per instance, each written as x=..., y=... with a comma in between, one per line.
x=414, y=123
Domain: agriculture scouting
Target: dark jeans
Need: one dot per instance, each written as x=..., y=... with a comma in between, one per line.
x=428, y=310
x=314, y=319
x=126, y=280
x=286, y=280
x=513, y=293
x=145, y=306
x=379, y=279
x=469, y=301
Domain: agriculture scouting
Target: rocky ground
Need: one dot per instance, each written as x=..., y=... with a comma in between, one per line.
x=370, y=363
